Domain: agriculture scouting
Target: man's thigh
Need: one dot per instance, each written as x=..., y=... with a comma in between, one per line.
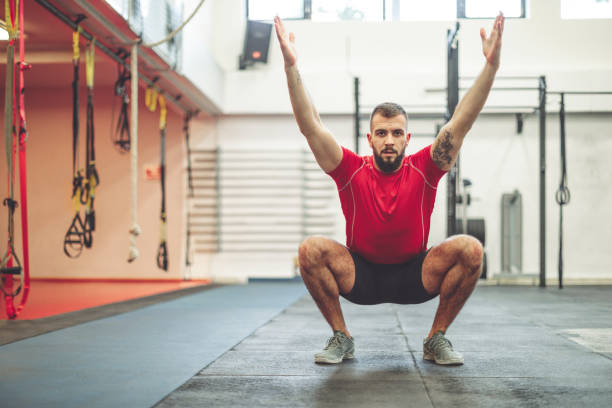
x=440, y=259
x=337, y=258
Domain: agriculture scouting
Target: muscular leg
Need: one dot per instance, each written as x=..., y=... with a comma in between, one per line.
x=451, y=269
x=327, y=269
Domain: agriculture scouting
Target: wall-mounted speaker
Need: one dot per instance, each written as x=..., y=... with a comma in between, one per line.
x=256, y=43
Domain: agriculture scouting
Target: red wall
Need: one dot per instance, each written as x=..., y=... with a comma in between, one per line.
x=49, y=162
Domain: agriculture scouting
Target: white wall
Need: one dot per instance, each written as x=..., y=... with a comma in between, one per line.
x=497, y=160
x=199, y=63
x=398, y=61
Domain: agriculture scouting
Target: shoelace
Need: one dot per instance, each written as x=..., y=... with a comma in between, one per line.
x=333, y=341
x=440, y=341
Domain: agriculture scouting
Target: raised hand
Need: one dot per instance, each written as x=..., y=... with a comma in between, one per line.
x=287, y=43
x=491, y=46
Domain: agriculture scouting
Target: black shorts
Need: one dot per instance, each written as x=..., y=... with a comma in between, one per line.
x=388, y=283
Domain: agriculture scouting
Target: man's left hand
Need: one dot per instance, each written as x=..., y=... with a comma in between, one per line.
x=491, y=46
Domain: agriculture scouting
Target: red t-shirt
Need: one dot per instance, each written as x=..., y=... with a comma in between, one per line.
x=387, y=215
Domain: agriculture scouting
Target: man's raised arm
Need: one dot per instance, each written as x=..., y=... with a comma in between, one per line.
x=326, y=150
x=445, y=148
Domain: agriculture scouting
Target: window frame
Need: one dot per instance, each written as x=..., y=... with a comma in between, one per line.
x=461, y=11
x=307, y=11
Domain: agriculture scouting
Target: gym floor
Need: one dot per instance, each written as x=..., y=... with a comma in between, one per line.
x=253, y=345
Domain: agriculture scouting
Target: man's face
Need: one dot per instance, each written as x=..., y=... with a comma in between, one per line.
x=388, y=141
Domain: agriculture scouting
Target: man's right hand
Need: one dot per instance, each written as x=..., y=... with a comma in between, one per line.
x=287, y=43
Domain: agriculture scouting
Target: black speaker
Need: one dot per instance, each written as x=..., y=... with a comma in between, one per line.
x=256, y=43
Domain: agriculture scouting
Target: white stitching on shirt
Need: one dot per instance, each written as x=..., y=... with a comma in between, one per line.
x=422, y=222
x=353, y=175
x=354, y=216
x=422, y=175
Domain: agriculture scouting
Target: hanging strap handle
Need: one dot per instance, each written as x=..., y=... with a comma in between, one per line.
x=10, y=263
x=162, y=252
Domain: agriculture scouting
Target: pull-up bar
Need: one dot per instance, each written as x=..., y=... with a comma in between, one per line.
x=580, y=93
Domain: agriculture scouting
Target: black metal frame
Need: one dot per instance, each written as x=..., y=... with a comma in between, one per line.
x=542, y=118
x=452, y=99
x=563, y=194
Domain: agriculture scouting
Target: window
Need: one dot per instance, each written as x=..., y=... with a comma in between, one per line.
x=490, y=8
x=423, y=10
x=396, y=10
x=581, y=9
x=267, y=9
x=338, y=10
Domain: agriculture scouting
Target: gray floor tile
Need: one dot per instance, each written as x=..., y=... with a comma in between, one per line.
x=362, y=389
x=241, y=363
x=538, y=362
x=520, y=392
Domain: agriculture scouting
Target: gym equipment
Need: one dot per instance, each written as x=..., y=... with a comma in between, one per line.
x=121, y=135
x=12, y=271
x=562, y=196
x=152, y=98
x=511, y=232
x=92, y=179
x=77, y=235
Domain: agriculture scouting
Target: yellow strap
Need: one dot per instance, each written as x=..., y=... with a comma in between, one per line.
x=11, y=28
x=90, y=56
x=151, y=98
x=76, y=52
x=162, y=115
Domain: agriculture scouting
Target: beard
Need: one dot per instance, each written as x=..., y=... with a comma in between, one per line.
x=389, y=166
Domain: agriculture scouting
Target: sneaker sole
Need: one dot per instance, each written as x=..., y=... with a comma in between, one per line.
x=430, y=357
x=323, y=360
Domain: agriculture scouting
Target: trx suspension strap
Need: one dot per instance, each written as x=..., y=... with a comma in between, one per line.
x=135, y=228
x=76, y=236
x=92, y=180
x=151, y=101
x=563, y=194
x=10, y=265
x=23, y=137
x=121, y=136
x=188, y=117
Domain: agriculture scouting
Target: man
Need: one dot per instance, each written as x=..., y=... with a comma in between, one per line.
x=387, y=200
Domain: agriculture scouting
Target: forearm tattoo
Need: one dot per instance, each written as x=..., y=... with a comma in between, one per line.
x=441, y=153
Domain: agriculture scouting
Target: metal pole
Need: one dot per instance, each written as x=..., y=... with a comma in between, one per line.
x=563, y=195
x=542, y=111
x=452, y=99
x=357, y=107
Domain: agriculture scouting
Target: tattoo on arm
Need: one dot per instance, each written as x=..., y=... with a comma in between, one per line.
x=441, y=153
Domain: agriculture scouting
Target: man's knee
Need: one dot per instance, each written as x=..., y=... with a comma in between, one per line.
x=311, y=253
x=471, y=253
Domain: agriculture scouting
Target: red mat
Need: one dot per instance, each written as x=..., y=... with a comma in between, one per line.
x=50, y=297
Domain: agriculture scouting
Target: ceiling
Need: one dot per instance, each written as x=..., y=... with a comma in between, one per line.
x=48, y=45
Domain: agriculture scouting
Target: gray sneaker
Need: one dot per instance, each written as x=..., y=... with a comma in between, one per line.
x=439, y=349
x=339, y=347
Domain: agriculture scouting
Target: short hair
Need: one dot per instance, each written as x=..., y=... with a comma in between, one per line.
x=388, y=110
